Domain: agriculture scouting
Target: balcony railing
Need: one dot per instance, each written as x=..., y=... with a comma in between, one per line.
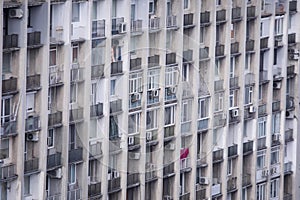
x=9, y=85
x=236, y=14
x=246, y=180
x=218, y=156
x=221, y=16
x=8, y=128
x=135, y=64
x=76, y=115
x=153, y=61
x=264, y=43
x=251, y=12
x=75, y=155
x=32, y=124
x=168, y=169
x=288, y=167
x=293, y=6
x=185, y=196
x=33, y=82
x=201, y=194
x=116, y=26
x=169, y=131
x=219, y=120
x=216, y=189
x=290, y=71
x=116, y=106
x=114, y=145
x=77, y=74
x=249, y=79
x=97, y=71
x=154, y=24
x=116, y=67
x=96, y=110
x=250, y=45
x=276, y=106
x=8, y=172
x=55, y=76
x=170, y=58
x=94, y=189
x=219, y=50
x=95, y=150
x=54, y=160
x=133, y=179
x=204, y=53
x=218, y=86
x=136, y=26
x=98, y=28
x=261, y=143
x=150, y=172
x=234, y=82
x=55, y=119
x=74, y=194
x=233, y=151
x=288, y=136
x=234, y=48
x=232, y=184
x=10, y=41
x=34, y=39
x=114, y=184
x=171, y=21
x=262, y=110
x=204, y=18
x=202, y=124
x=185, y=163
x=188, y=20
x=292, y=38
x=187, y=56
x=31, y=166
x=248, y=147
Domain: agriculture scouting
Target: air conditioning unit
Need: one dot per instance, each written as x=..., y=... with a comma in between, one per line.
x=15, y=13
x=276, y=85
x=276, y=137
x=251, y=109
x=131, y=140
x=122, y=27
x=235, y=113
x=135, y=97
x=289, y=114
x=58, y=173
x=170, y=146
x=33, y=137
x=203, y=181
x=149, y=136
x=134, y=156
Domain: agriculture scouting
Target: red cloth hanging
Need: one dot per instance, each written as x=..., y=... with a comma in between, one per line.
x=184, y=153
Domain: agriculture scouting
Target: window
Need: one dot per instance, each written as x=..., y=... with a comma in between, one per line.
x=72, y=173
x=113, y=126
x=186, y=4
x=134, y=123
x=75, y=12
x=290, y=86
x=275, y=155
x=92, y=171
x=132, y=16
x=218, y=31
x=248, y=62
x=232, y=31
x=6, y=62
x=153, y=79
x=233, y=98
x=4, y=148
x=170, y=115
x=203, y=108
x=218, y=2
x=30, y=102
x=260, y=92
x=262, y=124
x=73, y=93
x=261, y=192
x=276, y=123
x=72, y=137
x=94, y=94
x=274, y=188
x=217, y=68
x=27, y=185
x=151, y=7
x=169, y=8
x=113, y=87
x=75, y=53
x=94, y=128
x=278, y=25
x=219, y=102
x=185, y=72
x=229, y=167
x=94, y=11
x=275, y=57
x=261, y=159
x=264, y=27
x=186, y=111
x=202, y=36
x=50, y=139
x=171, y=76
x=151, y=119
x=248, y=95
x=232, y=67
x=6, y=110
x=53, y=56
x=135, y=83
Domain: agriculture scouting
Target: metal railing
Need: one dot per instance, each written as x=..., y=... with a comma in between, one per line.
x=234, y=48
x=168, y=169
x=54, y=160
x=290, y=70
x=288, y=167
x=136, y=26
x=135, y=64
x=232, y=150
x=218, y=85
x=250, y=45
x=251, y=12
x=188, y=19
x=234, y=82
x=94, y=189
x=236, y=13
x=95, y=149
x=204, y=18
x=247, y=147
x=116, y=106
x=169, y=131
x=293, y=6
x=154, y=23
x=187, y=56
x=75, y=155
x=261, y=143
x=292, y=38
x=9, y=85
x=219, y=50
x=170, y=58
x=114, y=184
x=8, y=172
x=133, y=178
x=204, y=53
x=202, y=124
x=8, y=128
x=288, y=136
x=55, y=76
x=32, y=124
x=10, y=41
x=74, y=194
x=77, y=74
x=116, y=25
x=96, y=110
x=76, y=114
x=171, y=21
x=246, y=180
x=34, y=38
x=116, y=67
x=153, y=61
x=264, y=43
x=31, y=165
x=218, y=155
x=97, y=71
x=33, y=82
x=221, y=16
x=276, y=106
x=98, y=28
x=262, y=110
x=55, y=118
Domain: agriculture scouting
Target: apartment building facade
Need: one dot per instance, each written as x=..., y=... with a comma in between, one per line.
x=149, y=99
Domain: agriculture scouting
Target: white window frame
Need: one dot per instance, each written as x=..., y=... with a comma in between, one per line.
x=260, y=92
x=274, y=188
x=275, y=155
x=278, y=25
x=154, y=116
x=171, y=117
x=94, y=88
x=51, y=136
x=135, y=119
x=262, y=127
x=75, y=60
x=186, y=4
x=233, y=98
x=72, y=174
x=135, y=83
x=151, y=7
x=248, y=95
x=30, y=102
x=75, y=90
x=113, y=83
x=229, y=167
x=153, y=79
x=261, y=192
x=219, y=102
x=275, y=122
x=4, y=117
x=186, y=111
x=248, y=62
x=203, y=108
x=54, y=51
x=76, y=5
x=171, y=74
x=261, y=155
x=186, y=72
x=232, y=67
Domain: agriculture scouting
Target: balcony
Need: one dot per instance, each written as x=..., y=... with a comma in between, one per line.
x=232, y=184
x=10, y=42
x=251, y=12
x=201, y=159
x=97, y=71
x=219, y=120
x=249, y=79
x=234, y=82
x=233, y=151
x=263, y=77
x=218, y=85
x=292, y=39
x=55, y=76
x=288, y=136
x=96, y=110
x=246, y=181
x=205, y=18
x=116, y=106
x=219, y=51
x=290, y=71
x=8, y=173
x=262, y=110
x=77, y=74
x=172, y=22
x=9, y=86
x=218, y=156
x=75, y=155
x=53, y=161
x=32, y=124
x=202, y=124
x=169, y=132
x=114, y=145
x=187, y=56
x=233, y=117
x=264, y=43
x=276, y=106
x=185, y=164
x=34, y=39
x=288, y=168
x=204, y=54
x=95, y=150
x=114, y=185
x=154, y=24
x=136, y=27
x=55, y=119
x=133, y=180
x=221, y=16
x=201, y=194
x=76, y=115
x=116, y=68
x=168, y=170
x=8, y=129
x=150, y=174
x=234, y=48
x=247, y=148
x=118, y=26
x=94, y=190
x=293, y=7
x=261, y=143
x=171, y=58
x=98, y=29
x=249, y=113
x=216, y=189
x=236, y=14
x=188, y=21
x=31, y=166
x=74, y=194
x=135, y=64
x=250, y=45
x=153, y=61
x=33, y=82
